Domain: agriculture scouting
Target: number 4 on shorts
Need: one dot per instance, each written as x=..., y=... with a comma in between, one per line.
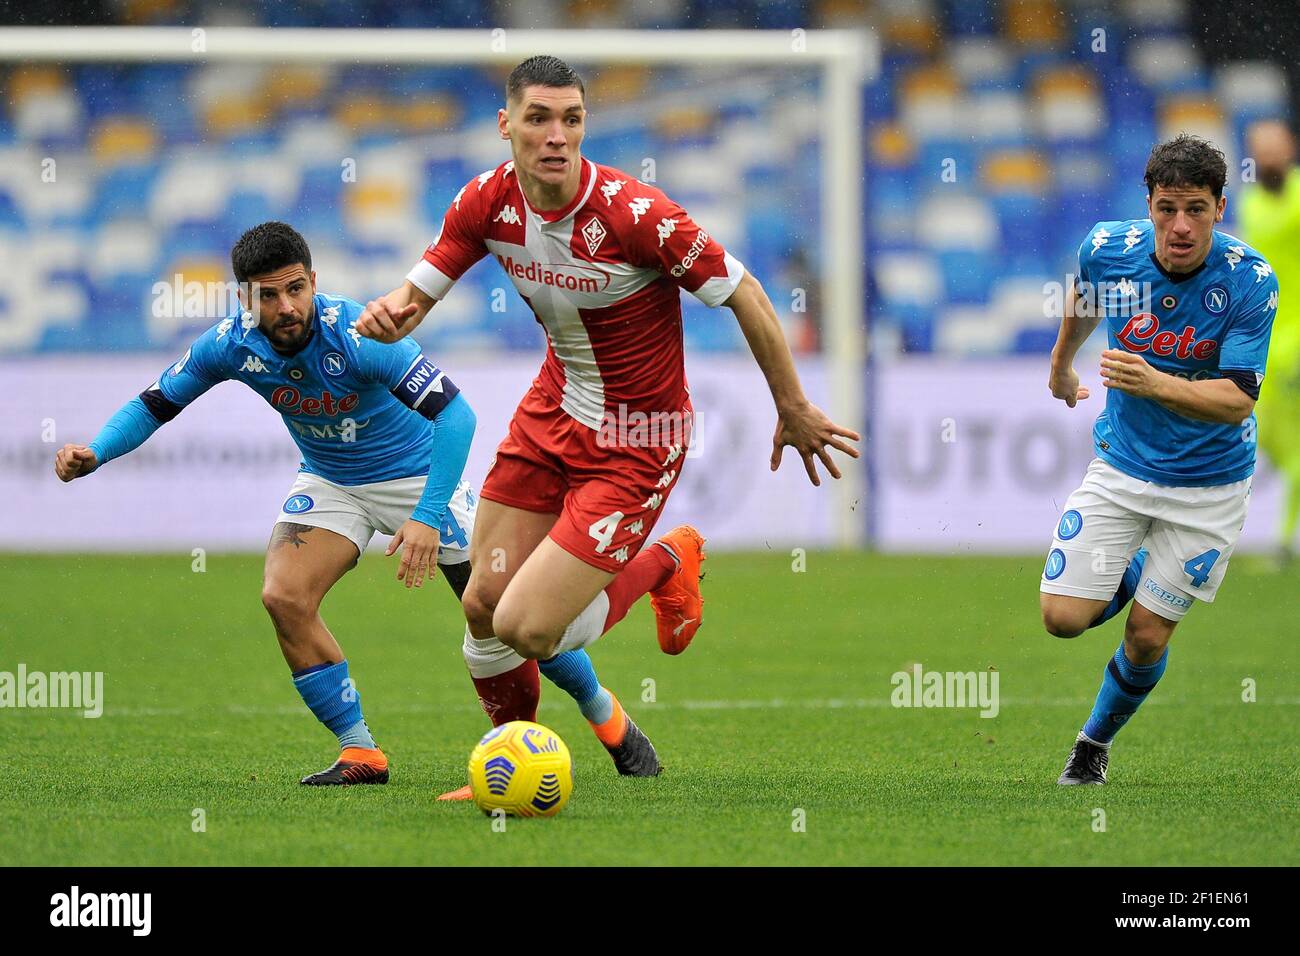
x=1199, y=566
x=604, y=530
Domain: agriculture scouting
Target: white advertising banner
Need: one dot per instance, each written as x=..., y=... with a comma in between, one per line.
x=973, y=457
x=215, y=477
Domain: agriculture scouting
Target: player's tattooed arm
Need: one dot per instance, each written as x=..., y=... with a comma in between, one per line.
x=287, y=532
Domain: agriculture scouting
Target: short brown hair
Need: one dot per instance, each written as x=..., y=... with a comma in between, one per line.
x=1186, y=160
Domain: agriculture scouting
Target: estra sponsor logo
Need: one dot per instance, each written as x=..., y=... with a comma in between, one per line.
x=1142, y=333
x=290, y=401
x=571, y=278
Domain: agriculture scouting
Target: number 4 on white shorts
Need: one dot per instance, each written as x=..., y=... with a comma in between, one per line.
x=1199, y=566
x=604, y=530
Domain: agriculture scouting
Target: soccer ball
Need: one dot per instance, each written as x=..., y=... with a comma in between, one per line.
x=521, y=768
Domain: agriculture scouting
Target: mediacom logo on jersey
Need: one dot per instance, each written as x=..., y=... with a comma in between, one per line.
x=572, y=278
x=1141, y=333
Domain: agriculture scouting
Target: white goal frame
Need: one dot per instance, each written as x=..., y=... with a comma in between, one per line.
x=847, y=59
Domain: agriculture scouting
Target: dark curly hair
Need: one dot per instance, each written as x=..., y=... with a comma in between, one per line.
x=267, y=247
x=1186, y=160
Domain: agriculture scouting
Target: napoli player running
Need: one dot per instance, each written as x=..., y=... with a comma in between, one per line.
x=384, y=436
x=601, y=259
x=1188, y=312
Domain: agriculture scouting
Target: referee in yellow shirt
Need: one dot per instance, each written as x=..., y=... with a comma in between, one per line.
x=1270, y=222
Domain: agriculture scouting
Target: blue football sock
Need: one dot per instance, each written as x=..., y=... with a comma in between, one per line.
x=574, y=674
x=1128, y=586
x=331, y=695
x=1123, y=688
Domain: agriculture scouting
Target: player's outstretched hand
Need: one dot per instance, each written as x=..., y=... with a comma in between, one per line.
x=1065, y=386
x=73, y=461
x=383, y=321
x=1129, y=373
x=419, y=544
x=808, y=431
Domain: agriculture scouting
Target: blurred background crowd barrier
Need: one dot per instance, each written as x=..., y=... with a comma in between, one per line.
x=994, y=133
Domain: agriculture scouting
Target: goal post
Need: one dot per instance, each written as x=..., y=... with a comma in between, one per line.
x=846, y=60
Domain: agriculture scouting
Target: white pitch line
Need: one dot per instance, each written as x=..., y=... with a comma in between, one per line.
x=775, y=703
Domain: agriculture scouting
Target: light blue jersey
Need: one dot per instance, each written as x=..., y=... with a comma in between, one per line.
x=1195, y=325
x=347, y=400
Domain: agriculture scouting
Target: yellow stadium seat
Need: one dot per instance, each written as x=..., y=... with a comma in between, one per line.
x=119, y=139
x=891, y=147
x=28, y=80
x=1016, y=170
x=237, y=114
x=1039, y=24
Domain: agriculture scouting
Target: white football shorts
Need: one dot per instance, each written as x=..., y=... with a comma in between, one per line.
x=1189, y=534
x=358, y=511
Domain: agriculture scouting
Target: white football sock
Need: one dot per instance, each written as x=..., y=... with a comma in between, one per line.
x=587, y=626
x=487, y=656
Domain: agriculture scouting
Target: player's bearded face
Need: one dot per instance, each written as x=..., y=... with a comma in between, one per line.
x=1184, y=219
x=545, y=129
x=284, y=302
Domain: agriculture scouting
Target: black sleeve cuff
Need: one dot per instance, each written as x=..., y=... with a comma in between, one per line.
x=1245, y=380
x=159, y=406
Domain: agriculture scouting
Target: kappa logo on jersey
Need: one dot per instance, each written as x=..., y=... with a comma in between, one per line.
x=1272, y=300
x=356, y=336
x=247, y=321
x=333, y=364
x=292, y=402
x=574, y=278
x=1132, y=238
x=1233, y=255
x=640, y=207
x=253, y=364
x=1142, y=332
x=456, y=202
x=665, y=229
x=330, y=315
x=594, y=233
x=484, y=177
x=1262, y=271
x=225, y=326
x=1099, y=239
x=509, y=215
x=176, y=369
x=1216, y=300
x=611, y=188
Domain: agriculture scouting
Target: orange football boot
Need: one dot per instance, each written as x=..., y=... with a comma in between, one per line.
x=355, y=765
x=678, y=607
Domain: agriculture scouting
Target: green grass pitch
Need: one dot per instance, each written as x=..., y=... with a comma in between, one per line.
x=781, y=705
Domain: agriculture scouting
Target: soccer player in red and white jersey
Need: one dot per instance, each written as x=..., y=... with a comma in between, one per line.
x=600, y=258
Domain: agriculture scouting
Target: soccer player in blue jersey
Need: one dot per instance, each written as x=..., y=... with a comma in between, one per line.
x=1188, y=311
x=384, y=436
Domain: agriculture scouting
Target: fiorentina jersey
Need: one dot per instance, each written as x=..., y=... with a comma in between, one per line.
x=602, y=277
x=355, y=407
x=1195, y=325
